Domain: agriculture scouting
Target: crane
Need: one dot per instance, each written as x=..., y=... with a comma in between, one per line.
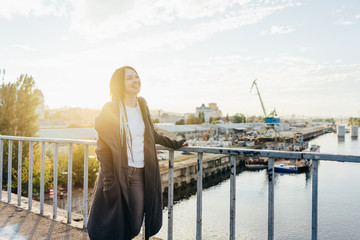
x=258, y=92
x=204, y=137
x=273, y=114
x=271, y=119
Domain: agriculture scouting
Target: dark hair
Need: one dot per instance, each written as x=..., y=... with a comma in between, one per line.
x=117, y=83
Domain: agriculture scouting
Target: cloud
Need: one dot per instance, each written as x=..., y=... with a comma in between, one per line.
x=277, y=30
x=357, y=16
x=24, y=47
x=291, y=84
x=10, y=8
x=343, y=22
x=101, y=20
x=305, y=49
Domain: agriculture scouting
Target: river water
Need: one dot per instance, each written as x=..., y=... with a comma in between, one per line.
x=338, y=211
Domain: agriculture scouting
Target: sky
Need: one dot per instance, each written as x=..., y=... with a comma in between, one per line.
x=304, y=54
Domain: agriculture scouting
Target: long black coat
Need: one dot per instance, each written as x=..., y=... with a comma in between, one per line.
x=110, y=216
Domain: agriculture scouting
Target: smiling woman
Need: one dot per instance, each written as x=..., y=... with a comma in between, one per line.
x=128, y=186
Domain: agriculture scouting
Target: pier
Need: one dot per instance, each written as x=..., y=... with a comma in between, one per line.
x=185, y=172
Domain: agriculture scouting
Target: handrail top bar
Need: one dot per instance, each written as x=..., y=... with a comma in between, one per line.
x=215, y=150
x=50, y=140
x=270, y=153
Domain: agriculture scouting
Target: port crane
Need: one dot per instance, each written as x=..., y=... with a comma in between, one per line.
x=204, y=137
x=271, y=119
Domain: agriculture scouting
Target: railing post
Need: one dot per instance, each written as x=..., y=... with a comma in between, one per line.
x=19, y=172
x=69, y=188
x=271, y=199
x=56, y=157
x=314, y=200
x=1, y=166
x=86, y=171
x=199, y=196
x=31, y=150
x=9, y=170
x=170, y=195
x=232, y=196
x=42, y=178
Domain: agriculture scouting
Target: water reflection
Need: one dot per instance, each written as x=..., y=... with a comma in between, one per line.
x=339, y=191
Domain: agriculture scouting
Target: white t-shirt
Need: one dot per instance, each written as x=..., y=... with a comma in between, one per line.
x=137, y=129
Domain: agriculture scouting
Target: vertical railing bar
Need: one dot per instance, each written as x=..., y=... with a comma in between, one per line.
x=1, y=166
x=232, y=196
x=86, y=171
x=42, y=178
x=199, y=196
x=69, y=188
x=19, y=172
x=171, y=196
x=271, y=174
x=9, y=170
x=56, y=156
x=30, y=186
x=314, y=223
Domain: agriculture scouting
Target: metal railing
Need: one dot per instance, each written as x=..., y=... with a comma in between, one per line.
x=43, y=141
x=232, y=152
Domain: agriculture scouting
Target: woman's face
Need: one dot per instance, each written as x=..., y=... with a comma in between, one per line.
x=132, y=82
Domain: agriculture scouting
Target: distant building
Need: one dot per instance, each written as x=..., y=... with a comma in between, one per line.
x=186, y=131
x=165, y=117
x=211, y=111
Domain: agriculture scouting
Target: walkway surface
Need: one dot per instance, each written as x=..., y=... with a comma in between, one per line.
x=20, y=224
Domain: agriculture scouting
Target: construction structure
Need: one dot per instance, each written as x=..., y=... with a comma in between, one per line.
x=271, y=119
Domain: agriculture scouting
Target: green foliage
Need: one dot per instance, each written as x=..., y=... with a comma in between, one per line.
x=180, y=122
x=210, y=119
x=202, y=116
x=78, y=166
x=194, y=120
x=156, y=120
x=18, y=117
x=255, y=119
x=330, y=120
x=354, y=121
x=8, y=109
x=239, y=118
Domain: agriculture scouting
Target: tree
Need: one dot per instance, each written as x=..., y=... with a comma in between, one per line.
x=8, y=109
x=354, y=121
x=239, y=118
x=194, y=120
x=202, y=116
x=210, y=120
x=156, y=120
x=18, y=117
x=180, y=122
x=255, y=119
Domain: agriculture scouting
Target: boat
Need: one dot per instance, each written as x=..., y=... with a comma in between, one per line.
x=285, y=168
x=292, y=166
x=295, y=165
x=256, y=163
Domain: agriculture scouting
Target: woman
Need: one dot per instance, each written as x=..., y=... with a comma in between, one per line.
x=128, y=187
